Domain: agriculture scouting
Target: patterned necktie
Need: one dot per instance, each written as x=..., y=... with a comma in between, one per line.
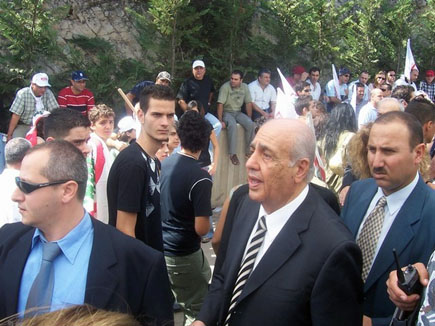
x=247, y=265
x=41, y=291
x=369, y=236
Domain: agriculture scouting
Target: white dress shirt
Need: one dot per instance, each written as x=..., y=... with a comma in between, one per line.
x=315, y=90
x=262, y=97
x=395, y=202
x=274, y=223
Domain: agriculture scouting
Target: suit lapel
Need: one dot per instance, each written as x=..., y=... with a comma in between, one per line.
x=356, y=215
x=283, y=247
x=101, y=280
x=399, y=236
x=242, y=229
x=17, y=258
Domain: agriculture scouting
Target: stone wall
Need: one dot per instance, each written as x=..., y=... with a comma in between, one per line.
x=106, y=19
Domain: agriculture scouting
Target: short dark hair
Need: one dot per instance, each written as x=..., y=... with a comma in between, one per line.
x=238, y=72
x=16, y=149
x=263, y=71
x=359, y=85
x=364, y=72
x=60, y=121
x=313, y=69
x=300, y=85
x=301, y=103
x=410, y=121
x=403, y=92
x=193, y=131
x=422, y=109
x=65, y=162
x=157, y=92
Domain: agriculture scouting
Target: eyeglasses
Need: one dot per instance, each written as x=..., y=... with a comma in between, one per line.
x=346, y=75
x=28, y=187
x=391, y=75
x=384, y=89
x=383, y=78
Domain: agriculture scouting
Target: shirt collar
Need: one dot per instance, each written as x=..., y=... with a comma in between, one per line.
x=276, y=220
x=70, y=243
x=396, y=200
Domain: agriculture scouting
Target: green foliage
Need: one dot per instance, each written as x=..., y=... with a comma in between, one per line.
x=106, y=69
x=28, y=41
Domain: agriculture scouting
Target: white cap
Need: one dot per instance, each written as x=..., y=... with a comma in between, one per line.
x=40, y=79
x=198, y=63
x=125, y=124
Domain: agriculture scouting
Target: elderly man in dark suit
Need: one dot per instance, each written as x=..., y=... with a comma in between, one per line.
x=60, y=256
x=393, y=210
x=285, y=258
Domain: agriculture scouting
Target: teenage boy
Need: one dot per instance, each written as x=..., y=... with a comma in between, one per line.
x=102, y=120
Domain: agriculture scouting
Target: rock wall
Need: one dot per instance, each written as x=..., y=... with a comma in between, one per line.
x=106, y=19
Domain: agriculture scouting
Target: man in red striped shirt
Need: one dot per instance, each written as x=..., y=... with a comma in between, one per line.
x=77, y=96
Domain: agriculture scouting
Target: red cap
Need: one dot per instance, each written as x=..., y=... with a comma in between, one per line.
x=298, y=70
x=430, y=73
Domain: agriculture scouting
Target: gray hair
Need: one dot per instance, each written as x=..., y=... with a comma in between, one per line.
x=391, y=101
x=303, y=145
x=16, y=149
x=65, y=162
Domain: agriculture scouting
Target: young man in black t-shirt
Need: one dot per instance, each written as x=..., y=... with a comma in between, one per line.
x=133, y=189
x=186, y=207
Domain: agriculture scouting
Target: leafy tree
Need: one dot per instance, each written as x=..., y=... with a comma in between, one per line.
x=28, y=41
x=167, y=24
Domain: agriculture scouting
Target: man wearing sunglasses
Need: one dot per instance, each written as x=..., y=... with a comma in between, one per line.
x=60, y=256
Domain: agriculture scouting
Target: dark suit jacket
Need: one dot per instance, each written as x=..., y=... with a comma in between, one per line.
x=123, y=275
x=411, y=234
x=310, y=275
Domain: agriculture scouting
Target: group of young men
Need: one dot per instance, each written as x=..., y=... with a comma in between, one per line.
x=285, y=256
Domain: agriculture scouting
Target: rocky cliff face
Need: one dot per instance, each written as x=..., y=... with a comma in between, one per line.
x=106, y=19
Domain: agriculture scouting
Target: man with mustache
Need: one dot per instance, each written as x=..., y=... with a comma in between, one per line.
x=392, y=210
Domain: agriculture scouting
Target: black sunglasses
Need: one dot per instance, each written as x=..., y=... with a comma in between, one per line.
x=28, y=187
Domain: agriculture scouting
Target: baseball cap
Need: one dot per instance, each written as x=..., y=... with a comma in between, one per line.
x=40, y=79
x=126, y=124
x=343, y=71
x=198, y=63
x=78, y=75
x=298, y=70
x=430, y=73
x=165, y=76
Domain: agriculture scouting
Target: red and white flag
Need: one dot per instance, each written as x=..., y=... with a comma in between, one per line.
x=409, y=61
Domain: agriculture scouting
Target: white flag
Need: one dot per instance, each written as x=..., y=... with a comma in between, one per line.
x=353, y=100
x=288, y=90
x=336, y=83
x=284, y=106
x=409, y=61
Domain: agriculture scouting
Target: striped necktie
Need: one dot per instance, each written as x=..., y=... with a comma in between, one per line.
x=247, y=265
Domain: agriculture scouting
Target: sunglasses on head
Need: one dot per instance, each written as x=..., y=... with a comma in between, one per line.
x=28, y=187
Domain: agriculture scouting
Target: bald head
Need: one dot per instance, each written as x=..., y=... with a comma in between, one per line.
x=297, y=137
x=376, y=95
x=389, y=104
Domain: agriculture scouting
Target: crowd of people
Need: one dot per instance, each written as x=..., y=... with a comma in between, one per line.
x=105, y=220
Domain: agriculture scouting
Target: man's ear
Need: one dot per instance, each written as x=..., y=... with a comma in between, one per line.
x=420, y=151
x=140, y=116
x=49, y=139
x=303, y=168
x=69, y=191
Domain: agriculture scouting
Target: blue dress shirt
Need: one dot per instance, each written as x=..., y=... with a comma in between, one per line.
x=70, y=267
